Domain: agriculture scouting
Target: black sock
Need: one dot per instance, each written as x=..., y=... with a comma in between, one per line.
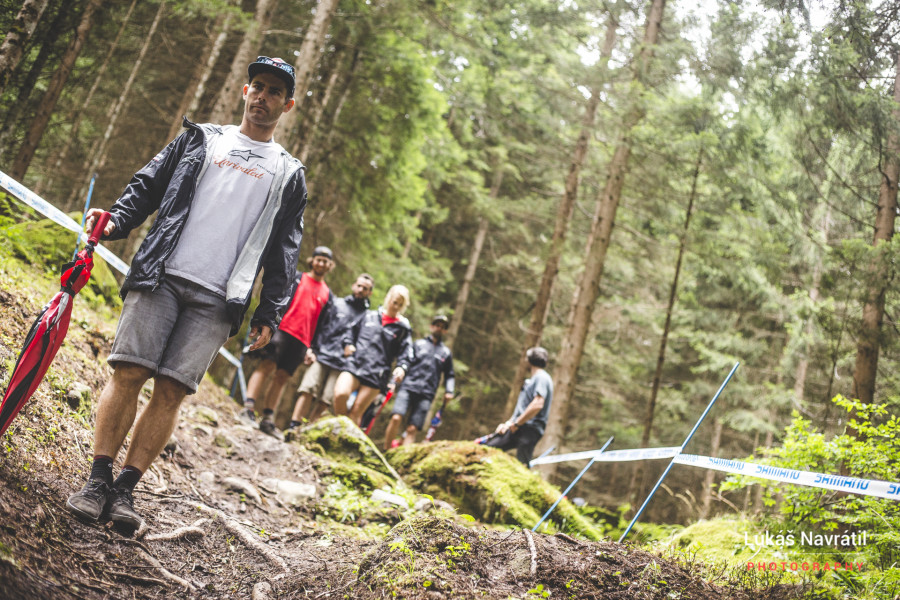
x=268, y=413
x=128, y=478
x=294, y=423
x=101, y=468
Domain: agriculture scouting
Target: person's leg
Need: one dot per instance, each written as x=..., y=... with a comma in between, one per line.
x=364, y=398
x=117, y=407
x=276, y=389
x=325, y=400
x=345, y=385
x=318, y=410
x=417, y=418
x=526, y=438
x=411, y=431
x=301, y=407
x=392, y=428
x=256, y=386
x=156, y=423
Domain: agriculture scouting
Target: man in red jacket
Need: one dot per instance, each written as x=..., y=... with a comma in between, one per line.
x=290, y=344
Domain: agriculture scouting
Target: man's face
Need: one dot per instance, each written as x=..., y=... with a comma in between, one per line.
x=265, y=100
x=438, y=329
x=362, y=288
x=321, y=265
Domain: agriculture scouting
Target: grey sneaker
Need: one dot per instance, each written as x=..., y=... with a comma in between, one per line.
x=247, y=417
x=268, y=427
x=89, y=503
x=121, y=509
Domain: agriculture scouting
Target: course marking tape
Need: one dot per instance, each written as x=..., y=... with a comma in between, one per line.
x=57, y=216
x=26, y=196
x=611, y=455
x=852, y=485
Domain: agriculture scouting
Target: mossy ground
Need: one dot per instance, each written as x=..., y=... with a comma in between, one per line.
x=490, y=485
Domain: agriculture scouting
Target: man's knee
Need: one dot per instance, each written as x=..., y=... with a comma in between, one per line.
x=412, y=430
x=169, y=391
x=397, y=418
x=131, y=374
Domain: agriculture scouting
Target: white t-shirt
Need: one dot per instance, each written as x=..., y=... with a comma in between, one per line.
x=229, y=199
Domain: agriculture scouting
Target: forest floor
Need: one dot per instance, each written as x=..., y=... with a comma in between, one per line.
x=217, y=526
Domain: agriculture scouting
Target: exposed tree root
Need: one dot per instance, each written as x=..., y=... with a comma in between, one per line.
x=181, y=532
x=245, y=536
x=531, y=547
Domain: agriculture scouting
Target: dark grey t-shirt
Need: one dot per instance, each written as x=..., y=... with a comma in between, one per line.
x=541, y=384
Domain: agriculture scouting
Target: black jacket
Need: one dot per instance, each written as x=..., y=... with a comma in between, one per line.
x=431, y=360
x=378, y=347
x=167, y=185
x=337, y=318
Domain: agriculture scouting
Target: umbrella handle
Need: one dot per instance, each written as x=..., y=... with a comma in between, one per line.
x=97, y=233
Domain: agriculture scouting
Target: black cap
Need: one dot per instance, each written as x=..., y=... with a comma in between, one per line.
x=276, y=66
x=440, y=319
x=323, y=251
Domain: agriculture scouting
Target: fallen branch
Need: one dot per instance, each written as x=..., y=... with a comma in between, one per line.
x=531, y=547
x=245, y=536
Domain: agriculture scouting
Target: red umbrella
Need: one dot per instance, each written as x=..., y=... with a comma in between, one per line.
x=48, y=331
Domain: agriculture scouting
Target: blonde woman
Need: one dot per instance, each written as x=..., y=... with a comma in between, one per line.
x=378, y=339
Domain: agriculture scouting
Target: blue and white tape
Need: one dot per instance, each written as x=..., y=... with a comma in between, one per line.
x=840, y=483
x=611, y=456
x=28, y=197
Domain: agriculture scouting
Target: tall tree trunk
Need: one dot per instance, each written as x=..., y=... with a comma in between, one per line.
x=14, y=116
x=229, y=97
x=190, y=101
x=637, y=485
x=313, y=41
x=13, y=45
x=54, y=89
x=75, y=120
x=462, y=297
x=99, y=156
x=867, y=348
x=803, y=363
x=564, y=211
x=303, y=144
x=588, y=290
x=706, y=501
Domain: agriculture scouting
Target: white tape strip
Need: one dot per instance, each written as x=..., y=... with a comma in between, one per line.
x=57, y=216
x=611, y=455
x=852, y=485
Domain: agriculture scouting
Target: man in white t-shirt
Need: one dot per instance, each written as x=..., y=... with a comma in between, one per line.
x=229, y=203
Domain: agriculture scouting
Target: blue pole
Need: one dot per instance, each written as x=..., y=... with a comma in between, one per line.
x=87, y=205
x=571, y=485
x=669, y=468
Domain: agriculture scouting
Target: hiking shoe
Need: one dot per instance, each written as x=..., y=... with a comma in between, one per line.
x=291, y=434
x=247, y=417
x=121, y=509
x=88, y=504
x=268, y=427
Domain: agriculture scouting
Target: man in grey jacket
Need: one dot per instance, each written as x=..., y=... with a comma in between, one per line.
x=230, y=202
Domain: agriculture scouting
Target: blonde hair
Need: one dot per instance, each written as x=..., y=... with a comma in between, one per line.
x=401, y=291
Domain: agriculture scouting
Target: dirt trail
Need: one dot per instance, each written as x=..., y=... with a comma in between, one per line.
x=217, y=528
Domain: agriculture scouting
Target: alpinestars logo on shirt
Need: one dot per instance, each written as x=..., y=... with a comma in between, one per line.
x=245, y=154
x=257, y=171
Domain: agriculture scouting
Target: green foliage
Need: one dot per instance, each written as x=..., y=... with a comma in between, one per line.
x=872, y=453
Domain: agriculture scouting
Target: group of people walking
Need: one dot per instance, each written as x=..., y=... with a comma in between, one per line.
x=351, y=351
x=229, y=204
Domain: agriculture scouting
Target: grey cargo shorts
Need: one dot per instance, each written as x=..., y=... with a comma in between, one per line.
x=175, y=330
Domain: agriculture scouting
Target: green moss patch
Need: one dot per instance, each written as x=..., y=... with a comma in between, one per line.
x=488, y=484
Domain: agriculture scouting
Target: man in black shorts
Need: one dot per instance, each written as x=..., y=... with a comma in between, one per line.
x=290, y=344
x=432, y=359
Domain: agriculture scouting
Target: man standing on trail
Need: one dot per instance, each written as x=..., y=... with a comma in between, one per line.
x=291, y=343
x=431, y=360
x=318, y=381
x=230, y=203
x=526, y=427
